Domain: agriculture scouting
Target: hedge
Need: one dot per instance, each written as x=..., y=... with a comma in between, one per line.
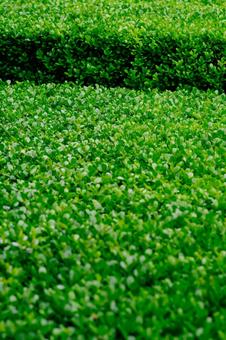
x=163, y=44
x=112, y=221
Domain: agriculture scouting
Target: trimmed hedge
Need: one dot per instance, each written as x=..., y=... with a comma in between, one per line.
x=111, y=213
x=162, y=44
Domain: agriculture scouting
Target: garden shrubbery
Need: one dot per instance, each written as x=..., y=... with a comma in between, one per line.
x=112, y=213
x=134, y=44
x=112, y=200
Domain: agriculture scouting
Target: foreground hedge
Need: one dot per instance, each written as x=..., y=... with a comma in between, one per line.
x=112, y=214
x=142, y=44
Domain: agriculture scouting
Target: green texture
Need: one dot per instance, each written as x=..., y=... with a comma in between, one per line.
x=111, y=213
x=137, y=44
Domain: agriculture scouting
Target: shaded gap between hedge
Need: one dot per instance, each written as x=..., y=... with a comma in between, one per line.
x=165, y=64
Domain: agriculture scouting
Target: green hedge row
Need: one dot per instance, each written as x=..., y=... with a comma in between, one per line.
x=111, y=213
x=134, y=44
x=163, y=61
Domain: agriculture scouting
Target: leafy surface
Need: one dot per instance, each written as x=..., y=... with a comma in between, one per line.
x=138, y=44
x=130, y=16
x=112, y=213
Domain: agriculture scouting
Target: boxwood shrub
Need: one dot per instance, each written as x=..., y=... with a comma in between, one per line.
x=112, y=213
x=134, y=44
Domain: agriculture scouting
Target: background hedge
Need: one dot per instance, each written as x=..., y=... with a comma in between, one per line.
x=143, y=44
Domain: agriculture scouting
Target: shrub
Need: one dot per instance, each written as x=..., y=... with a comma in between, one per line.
x=112, y=213
x=133, y=44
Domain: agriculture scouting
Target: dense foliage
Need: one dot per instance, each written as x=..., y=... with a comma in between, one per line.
x=112, y=213
x=131, y=43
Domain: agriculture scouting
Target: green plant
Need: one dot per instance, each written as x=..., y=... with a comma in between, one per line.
x=111, y=213
x=163, y=44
